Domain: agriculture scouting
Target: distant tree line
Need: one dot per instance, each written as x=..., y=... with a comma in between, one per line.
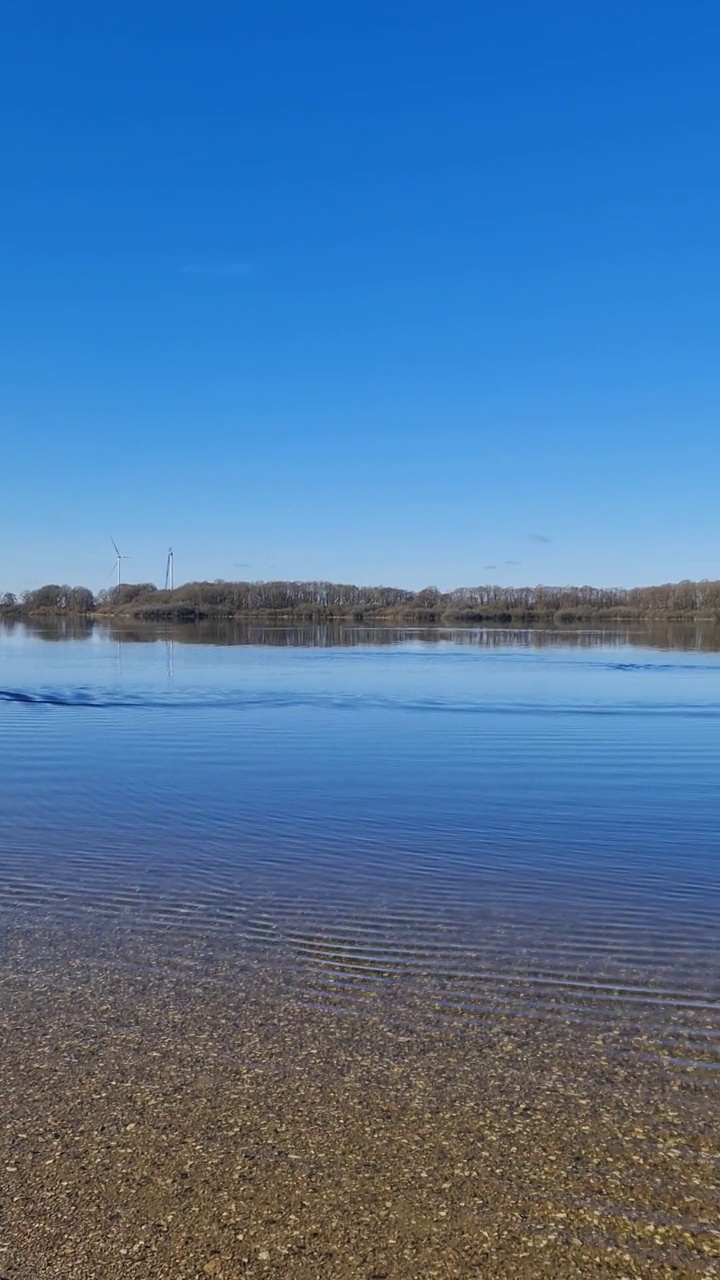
x=50, y=599
x=318, y=601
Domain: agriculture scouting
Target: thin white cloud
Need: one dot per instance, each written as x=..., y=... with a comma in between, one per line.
x=235, y=268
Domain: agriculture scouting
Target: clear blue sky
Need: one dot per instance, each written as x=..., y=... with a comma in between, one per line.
x=375, y=292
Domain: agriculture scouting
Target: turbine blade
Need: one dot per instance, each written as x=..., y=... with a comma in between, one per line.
x=115, y=544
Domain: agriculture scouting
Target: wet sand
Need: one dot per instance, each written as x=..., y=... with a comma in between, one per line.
x=196, y=1119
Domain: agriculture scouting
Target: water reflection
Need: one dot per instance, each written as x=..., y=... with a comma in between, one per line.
x=698, y=637
x=51, y=629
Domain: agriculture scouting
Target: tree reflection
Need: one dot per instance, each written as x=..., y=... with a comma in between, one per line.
x=332, y=635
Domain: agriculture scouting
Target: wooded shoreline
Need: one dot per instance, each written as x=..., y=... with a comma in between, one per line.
x=325, y=601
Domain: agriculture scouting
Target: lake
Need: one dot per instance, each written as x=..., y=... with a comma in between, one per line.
x=425, y=921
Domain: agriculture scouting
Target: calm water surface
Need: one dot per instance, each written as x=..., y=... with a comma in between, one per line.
x=498, y=817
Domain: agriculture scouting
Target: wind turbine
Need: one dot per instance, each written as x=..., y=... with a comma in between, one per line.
x=170, y=571
x=117, y=568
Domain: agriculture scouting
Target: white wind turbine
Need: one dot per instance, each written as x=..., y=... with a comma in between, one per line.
x=170, y=571
x=117, y=567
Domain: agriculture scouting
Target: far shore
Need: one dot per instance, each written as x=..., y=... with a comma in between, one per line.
x=320, y=602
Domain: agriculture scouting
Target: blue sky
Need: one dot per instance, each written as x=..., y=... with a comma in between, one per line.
x=374, y=292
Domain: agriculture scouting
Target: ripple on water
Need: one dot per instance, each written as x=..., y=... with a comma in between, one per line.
x=552, y=847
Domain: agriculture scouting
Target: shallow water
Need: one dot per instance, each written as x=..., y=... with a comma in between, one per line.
x=497, y=816
x=332, y=952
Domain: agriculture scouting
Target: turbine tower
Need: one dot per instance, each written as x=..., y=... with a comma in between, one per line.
x=170, y=571
x=117, y=567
